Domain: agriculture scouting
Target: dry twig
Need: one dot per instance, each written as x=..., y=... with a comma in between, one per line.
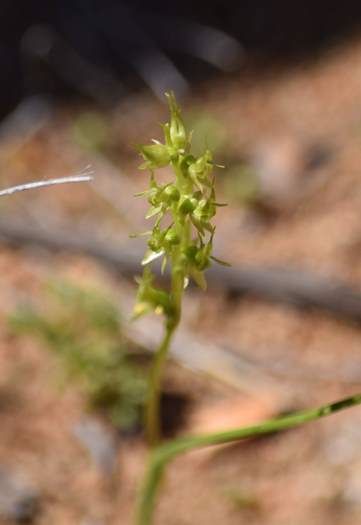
x=284, y=285
x=86, y=177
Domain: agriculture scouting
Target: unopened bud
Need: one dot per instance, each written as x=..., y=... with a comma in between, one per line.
x=155, y=156
x=177, y=132
x=171, y=193
x=154, y=245
x=172, y=237
x=188, y=205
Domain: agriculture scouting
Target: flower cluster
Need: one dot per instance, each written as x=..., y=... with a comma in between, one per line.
x=183, y=209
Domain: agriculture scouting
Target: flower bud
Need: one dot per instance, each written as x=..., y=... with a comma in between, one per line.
x=190, y=252
x=171, y=193
x=172, y=237
x=154, y=244
x=177, y=132
x=150, y=298
x=188, y=205
x=155, y=156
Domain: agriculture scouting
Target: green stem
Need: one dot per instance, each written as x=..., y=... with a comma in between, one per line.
x=152, y=410
x=167, y=452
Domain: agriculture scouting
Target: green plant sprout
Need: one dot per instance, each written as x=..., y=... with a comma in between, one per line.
x=83, y=328
x=182, y=236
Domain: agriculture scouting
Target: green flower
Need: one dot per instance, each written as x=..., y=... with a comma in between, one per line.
x=187, y=204
x=201, y=169
x=170, y=193
x=151, y=299
x=155, y=155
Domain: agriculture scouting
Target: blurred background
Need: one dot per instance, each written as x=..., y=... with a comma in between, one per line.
x=274, y=89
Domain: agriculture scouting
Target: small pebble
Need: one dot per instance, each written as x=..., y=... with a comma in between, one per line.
x=19, y=499
x=99, y=441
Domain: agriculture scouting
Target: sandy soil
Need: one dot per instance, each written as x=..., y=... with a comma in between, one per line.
x=307, y=476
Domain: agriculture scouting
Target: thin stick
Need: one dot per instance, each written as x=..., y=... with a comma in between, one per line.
x=162, y=455
x=294, y=286
x=44, y=183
